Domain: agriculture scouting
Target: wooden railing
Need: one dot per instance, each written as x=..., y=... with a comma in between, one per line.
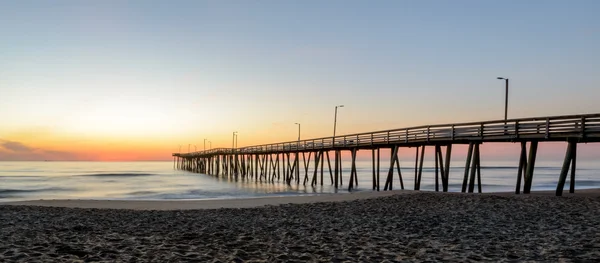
x=544, y=128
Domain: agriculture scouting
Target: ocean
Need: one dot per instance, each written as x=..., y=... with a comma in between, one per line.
x=159, y=181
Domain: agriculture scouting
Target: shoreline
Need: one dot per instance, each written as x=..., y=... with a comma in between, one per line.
x=264, y=201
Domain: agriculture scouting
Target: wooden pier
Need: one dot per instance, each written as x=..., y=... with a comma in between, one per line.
x=289, y=161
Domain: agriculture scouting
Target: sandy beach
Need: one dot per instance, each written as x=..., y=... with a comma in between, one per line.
x=395, y=226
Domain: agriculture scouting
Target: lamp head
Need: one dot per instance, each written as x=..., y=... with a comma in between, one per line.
x=500, y=78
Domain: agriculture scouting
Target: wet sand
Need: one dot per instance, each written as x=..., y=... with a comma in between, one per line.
x=257, y=202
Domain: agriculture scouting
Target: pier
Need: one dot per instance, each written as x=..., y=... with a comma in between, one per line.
x=289, y=161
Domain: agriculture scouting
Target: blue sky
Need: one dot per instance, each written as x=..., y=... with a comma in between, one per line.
x=178, y=71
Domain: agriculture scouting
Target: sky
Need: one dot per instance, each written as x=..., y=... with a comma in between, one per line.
x=137, y=80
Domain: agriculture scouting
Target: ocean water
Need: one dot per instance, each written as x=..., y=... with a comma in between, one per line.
x=159, y=181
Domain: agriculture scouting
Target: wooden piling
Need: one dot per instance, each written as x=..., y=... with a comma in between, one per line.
x=437, y=180
x=467, y=165
x=573, y=168
x=390, y=178
x=329, y=165
x=446, y=177
x=530, y=166
x=569, y=159
x=378, y=162
x=373, y=158
x=522, y=166
x=353, y=176
x=399, y=171
x=421, y=167
x=336, y=160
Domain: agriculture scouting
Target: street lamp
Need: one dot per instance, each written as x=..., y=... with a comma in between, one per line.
x=335, y=120
x=505, y=99
x=233, y=141
x=298, y=131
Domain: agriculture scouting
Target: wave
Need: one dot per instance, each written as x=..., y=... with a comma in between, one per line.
x=114, y=175
x=6, y=193
x=21, y=176
x=142, y=193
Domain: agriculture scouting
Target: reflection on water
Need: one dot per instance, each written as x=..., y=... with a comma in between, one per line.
x=277, y=186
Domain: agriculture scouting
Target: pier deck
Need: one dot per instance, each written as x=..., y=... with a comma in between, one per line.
x=279, y=161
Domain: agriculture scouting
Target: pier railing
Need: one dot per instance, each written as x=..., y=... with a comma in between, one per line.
x=542, y=128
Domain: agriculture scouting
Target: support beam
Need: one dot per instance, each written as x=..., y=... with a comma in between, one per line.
x=420, y=168
x=530, y=167
x=446, y=177
x=466, y=177
x=390, y=178
x=374, y=179
x=378, y=162
x=399, y=172
x=569, y=159
x=436, y=168
x=314, y=178
x=353, y=175
x=336, y=166
x=522, y=166
x=573, y=168
x=329, y=164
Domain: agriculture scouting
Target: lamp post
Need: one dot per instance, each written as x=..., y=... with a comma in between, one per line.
x=233, y=141
x=505, y=99
x=298, y=131
x=335, y=121
x=205, y=144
